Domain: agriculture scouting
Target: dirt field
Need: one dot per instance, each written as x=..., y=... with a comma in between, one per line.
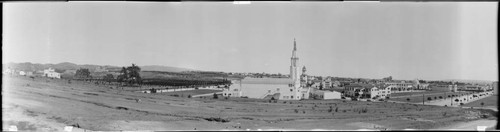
x=409, y=94
x=191, y=92
x=491, y=101
x=417, y=98
x=50, y=104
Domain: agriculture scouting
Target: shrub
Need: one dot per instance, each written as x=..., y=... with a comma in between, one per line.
x=440, y=97
x=337, y=109
x=304, y=111
x=435, y=97
x=189, y=96
x=408, y=99
x=296, y=111
x=429, y=98
x=215, y=96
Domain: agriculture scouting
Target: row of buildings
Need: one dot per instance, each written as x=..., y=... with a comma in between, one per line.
x=51, y=73
x=299, y=85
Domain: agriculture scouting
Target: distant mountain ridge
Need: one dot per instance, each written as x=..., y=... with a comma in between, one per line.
x=468, y=81
x=28, y=66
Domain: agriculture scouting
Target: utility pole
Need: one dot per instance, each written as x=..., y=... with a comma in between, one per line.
x=423, y=99
x=451, y=100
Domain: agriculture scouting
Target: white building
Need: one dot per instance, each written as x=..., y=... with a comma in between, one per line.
x=280, y=88
x=296, y=91
x=380, y=91
x=22, y=73
x=367, y=90
x=9, y=71
x=51, y=73
x=233, y=91
x=400, y=86
x=321, y=94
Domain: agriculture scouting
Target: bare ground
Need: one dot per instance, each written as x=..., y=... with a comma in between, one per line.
x=50, y=104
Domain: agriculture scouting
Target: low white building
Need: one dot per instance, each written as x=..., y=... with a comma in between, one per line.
x=51, y=73
x=265, y=88
x=233, y=91
x=380, y=91
x=321, y=94
x=22, y=73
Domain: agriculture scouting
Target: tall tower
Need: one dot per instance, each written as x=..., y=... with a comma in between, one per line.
x=294, y=72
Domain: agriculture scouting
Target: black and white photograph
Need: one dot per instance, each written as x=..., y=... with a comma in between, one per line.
x=88, y=66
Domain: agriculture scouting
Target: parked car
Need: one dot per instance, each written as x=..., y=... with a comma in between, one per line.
x=354, y=99
x=380, y=99
x=369, y=100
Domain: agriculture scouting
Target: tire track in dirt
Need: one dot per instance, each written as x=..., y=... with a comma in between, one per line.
x=136, y=110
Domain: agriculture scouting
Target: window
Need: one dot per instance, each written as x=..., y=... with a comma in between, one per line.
x=291, y=90
x=291, y=97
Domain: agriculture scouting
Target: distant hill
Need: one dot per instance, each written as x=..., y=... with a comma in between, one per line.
x=469, y=81
x=27, y=66
x=164, y=68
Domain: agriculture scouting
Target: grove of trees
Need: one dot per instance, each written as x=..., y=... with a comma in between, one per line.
x=130, y=75
x=82, y=73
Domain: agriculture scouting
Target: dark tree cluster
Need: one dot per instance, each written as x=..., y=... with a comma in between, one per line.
x=130, y=75
x=184, y=82
x=82, y=73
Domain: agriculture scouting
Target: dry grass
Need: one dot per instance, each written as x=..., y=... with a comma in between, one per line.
x=96, y=107
x=488, y=101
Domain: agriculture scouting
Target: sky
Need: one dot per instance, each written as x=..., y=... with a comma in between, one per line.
x=405, y=40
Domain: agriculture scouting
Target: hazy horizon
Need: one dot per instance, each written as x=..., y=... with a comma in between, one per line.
x=407, y=40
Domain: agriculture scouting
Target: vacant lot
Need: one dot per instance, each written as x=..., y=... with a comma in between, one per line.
x=418, y=98
x=50, y=104
x=438, y=93
x=190, y=92
x=491, y=101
